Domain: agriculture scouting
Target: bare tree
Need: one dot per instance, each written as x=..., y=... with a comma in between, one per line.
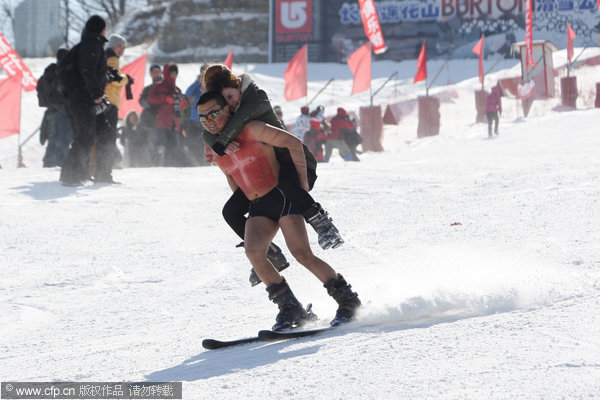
x=77, y=12
x=7, y=13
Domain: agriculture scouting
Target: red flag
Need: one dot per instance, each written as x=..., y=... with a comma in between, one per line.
x=371, y=24
x=137, y=70
x=529, y=36
x=478, y=49
x=295, y=75
x=570, y=36
x=360, y=65
x=229, y=60
x=421, y=74
x=10, y=105
x=12, y=64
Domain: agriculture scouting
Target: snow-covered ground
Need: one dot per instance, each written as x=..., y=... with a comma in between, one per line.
x=479, y=258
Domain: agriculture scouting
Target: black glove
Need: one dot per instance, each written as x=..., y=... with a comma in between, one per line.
x=129, y=80
x=219, y=148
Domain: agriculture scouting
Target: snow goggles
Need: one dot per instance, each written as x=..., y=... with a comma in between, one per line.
x=209, y=115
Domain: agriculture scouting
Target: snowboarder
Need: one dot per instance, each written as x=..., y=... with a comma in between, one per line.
x=253, y=167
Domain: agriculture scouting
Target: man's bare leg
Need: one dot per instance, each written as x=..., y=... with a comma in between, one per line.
x=296, y=239
x=294, y=232
x=259, y=233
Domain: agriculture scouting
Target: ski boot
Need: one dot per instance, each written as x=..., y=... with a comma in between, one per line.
x=348, y=300
x=275, y=257
x=291, y=313
x=328, y=234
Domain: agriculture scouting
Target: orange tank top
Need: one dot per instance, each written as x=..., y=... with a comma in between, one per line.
x=249, y=166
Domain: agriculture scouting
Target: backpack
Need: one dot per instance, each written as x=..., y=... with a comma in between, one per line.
x=66, y=72
x=47, y=90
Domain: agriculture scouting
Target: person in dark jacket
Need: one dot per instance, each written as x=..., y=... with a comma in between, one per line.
x=56, y=128
x=170, y=102
x=493, y=107
x=84, y=99
x=148, y=115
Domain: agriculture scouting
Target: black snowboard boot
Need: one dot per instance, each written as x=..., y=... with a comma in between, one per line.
x=291, y=313
x=328, y=234
x=275, y=257
x=348, y=300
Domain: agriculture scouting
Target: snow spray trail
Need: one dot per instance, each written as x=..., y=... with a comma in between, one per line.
x=435, y=283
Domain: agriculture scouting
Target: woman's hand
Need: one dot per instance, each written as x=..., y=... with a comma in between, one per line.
x=232, y=147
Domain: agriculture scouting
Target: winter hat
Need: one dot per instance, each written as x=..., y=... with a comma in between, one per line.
x=95, y=24
x=116, y=40
x=155, y=66
x=60, y=53
x=341, y=112
x=304, y=110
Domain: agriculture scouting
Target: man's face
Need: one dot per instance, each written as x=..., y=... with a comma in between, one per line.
x=212, y=116
x=155, y=73
x=119, y=50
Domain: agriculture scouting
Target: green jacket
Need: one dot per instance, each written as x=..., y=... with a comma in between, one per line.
x=255, y=106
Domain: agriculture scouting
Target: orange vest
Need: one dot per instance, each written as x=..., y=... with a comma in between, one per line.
x=249, y=166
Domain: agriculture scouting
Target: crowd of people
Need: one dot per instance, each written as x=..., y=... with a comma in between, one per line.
x=81, y=124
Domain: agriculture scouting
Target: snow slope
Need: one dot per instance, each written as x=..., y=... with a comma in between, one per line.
x=479, y=258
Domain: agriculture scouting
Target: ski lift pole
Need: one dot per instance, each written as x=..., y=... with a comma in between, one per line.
x=435, y=77
x=20, y=163
x=492, y=68
x=572, y=65
x=381, y=87
x=319, y=92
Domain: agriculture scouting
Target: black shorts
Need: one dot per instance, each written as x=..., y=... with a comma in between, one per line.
x=272, y=205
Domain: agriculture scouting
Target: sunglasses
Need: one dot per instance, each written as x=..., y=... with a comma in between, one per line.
x=212, y=115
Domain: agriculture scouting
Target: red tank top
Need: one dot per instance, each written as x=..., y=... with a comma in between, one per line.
x=249, y=166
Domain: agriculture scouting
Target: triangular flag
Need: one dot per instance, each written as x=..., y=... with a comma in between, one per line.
x=360, y=65
x=12, y=64
x=570, y=36
x=229, y=60
x=478, y=49
x=10, y=105
x=137, y=70
x=295, y=75
x=421, y=74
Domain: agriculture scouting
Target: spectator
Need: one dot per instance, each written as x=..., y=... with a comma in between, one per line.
x=85, y=101
x=493, y=107
x=148, y=116
x=315, y=138
x=135, y=141
x=279, y=115
x=192, y=126
x=56, y=128
x=302, y=124
x=106, y=142
x=334, y=140
x=169, y=100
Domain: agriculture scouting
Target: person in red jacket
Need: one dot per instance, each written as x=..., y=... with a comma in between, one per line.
x=168, y=98
x=336, y=139
x=315, y=138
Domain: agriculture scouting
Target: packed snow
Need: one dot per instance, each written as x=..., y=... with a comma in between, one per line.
x=477, y=259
